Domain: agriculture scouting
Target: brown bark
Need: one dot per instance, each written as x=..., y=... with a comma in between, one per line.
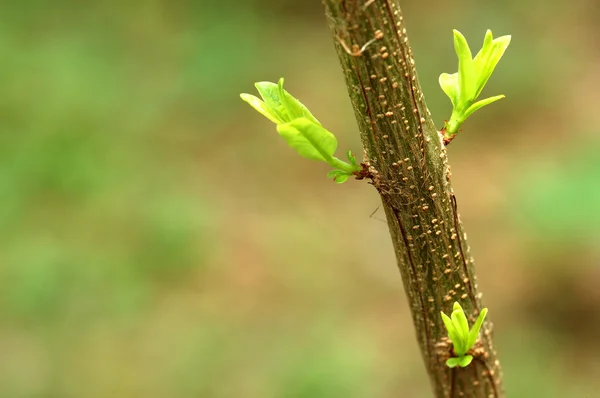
x=408, y=165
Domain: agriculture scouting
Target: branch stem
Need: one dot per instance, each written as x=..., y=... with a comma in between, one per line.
x=408, y=165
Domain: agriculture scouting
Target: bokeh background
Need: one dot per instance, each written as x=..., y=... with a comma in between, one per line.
x=159, y=240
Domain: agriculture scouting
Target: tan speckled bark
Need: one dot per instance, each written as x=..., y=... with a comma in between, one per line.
x=408, y=166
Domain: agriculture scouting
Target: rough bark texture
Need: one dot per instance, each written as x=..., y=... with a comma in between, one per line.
x=408, y=166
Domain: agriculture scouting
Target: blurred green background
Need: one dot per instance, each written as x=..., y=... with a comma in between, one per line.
x=158, y=239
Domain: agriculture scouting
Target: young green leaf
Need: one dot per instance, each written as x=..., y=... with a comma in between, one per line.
x=301, y=130
x=459, y=319
x=452, y=362
x=464, y=361
x=310, y=140
x=262, y=108
x=351, y=158
x=335, y=173
x=466, y=69
x=453, y=333
x=341, y=178
x=481, y=104
x=462, y=338
x=488, y=57
x=294, y=108
x=449, y=83
x=278, y=105
x=456, y=306
x=474, y=333
x=464, y=87
x=270, y=94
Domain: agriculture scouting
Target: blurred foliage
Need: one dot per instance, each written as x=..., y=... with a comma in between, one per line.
x=150, y=248
x=561, y=194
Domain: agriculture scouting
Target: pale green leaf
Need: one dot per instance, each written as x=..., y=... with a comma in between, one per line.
x=488, y=57
x=452, y=362
x=464, y=361
x=481, y=104
x=341, y=178
x=487, y=40
x=335, y=173
x=449, y=83
x=459, y=319
x=262, y=108
x=456, y=306
x=294, y=108
x=466, y=69
x=453, y=333
x=351, y=158
x=488, y=43
x=477, y=327
x=310, y=140
x=270, y=94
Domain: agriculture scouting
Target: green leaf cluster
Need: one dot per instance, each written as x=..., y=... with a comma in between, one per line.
x=466, y=85
x=300, y=129
x=462, y=338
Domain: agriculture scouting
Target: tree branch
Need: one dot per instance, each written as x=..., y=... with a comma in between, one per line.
x=408, y=165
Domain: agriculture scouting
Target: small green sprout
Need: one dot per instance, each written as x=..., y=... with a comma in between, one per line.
x=464, y=87
x=462, y=338
x=300, y=129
